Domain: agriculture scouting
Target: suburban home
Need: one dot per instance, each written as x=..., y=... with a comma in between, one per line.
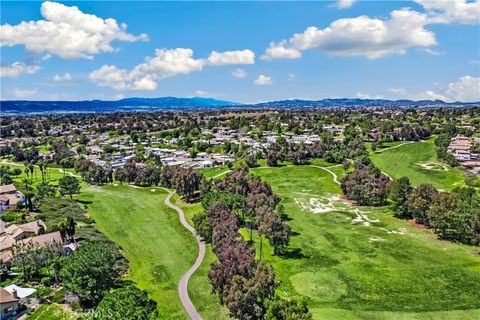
x=9, y=304
x=9, y=196
x=28, y=234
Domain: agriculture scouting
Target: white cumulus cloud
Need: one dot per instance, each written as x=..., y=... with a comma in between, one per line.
x=239, y=73
x=452, y=11
x=17, y=68
x=280, y=51
x=345, y=4
x=361, y=36
x=263, y=80
x=66, y=32
x=166, y=63
x=231, y=57
x=66, y=77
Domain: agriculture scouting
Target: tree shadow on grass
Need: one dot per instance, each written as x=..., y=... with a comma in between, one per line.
x=294, y=253
x=294, y=233
x=285, y=217
x=84, y=201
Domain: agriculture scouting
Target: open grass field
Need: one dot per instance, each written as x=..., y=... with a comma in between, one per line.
x=361, y=263
x=419, y=162
x=159, y=249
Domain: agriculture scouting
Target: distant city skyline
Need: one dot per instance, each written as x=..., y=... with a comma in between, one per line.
x=241, y=51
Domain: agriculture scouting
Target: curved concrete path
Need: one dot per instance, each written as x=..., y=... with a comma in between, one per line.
x=397, y=146
x=334, y=175
x=183, y=285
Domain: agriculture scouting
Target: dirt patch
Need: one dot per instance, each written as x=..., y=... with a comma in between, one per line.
x=348, y=201
x=417, y=225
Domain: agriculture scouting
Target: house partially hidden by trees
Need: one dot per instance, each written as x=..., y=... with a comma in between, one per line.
x=31, y=235
x=9, y=197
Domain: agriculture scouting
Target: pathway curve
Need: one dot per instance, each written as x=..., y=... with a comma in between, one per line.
x=334, y=175
x=394, y=147
x=183, y=285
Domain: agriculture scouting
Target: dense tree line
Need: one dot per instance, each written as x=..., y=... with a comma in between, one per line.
x=453, y=216
x=244, y=285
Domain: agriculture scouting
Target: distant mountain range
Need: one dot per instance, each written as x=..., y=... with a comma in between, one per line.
x=23, y=107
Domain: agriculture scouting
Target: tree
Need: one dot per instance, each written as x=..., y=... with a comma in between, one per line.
x=420, y=201
x=89, y=272
x=287, y=309
x=399, y=193
x=452, y=215
x=187, y=182
x=366, y=185
x=69, y=185
x=272, y=158
x=70, y=228
x=127, y=302
x=203, y=225
x=277, y=232
x=246, y=297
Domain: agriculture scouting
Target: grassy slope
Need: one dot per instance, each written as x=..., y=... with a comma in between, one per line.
x=405, y=160
x=51, y=312
x=159, y=249
x=345, y=275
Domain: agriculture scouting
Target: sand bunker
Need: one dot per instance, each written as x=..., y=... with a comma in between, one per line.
x=361, y=217
x=333, y=203
x=319, y=205
x=153, y=190
x=432, y=166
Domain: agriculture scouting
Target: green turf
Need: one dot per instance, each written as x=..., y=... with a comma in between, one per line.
x=159, y=249
x=419, y=163
x=51, y=312
x=386, y=270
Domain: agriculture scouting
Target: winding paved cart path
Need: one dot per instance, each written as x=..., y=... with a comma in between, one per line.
x=183, y=285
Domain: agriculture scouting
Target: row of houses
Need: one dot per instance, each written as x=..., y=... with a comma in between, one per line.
x=32, y=235
x=460, y=147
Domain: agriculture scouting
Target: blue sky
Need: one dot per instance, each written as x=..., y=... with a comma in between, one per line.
x=383, y=49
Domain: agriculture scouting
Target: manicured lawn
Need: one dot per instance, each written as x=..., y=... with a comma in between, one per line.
x=159, y=249
x=51, y=312
x=366, y=265
x=212, y=172
x=418, y=161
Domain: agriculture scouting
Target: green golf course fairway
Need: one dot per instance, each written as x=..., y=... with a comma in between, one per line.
x=347, y=262
x=366, y=268
x=157, y=246
x=418, y=161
